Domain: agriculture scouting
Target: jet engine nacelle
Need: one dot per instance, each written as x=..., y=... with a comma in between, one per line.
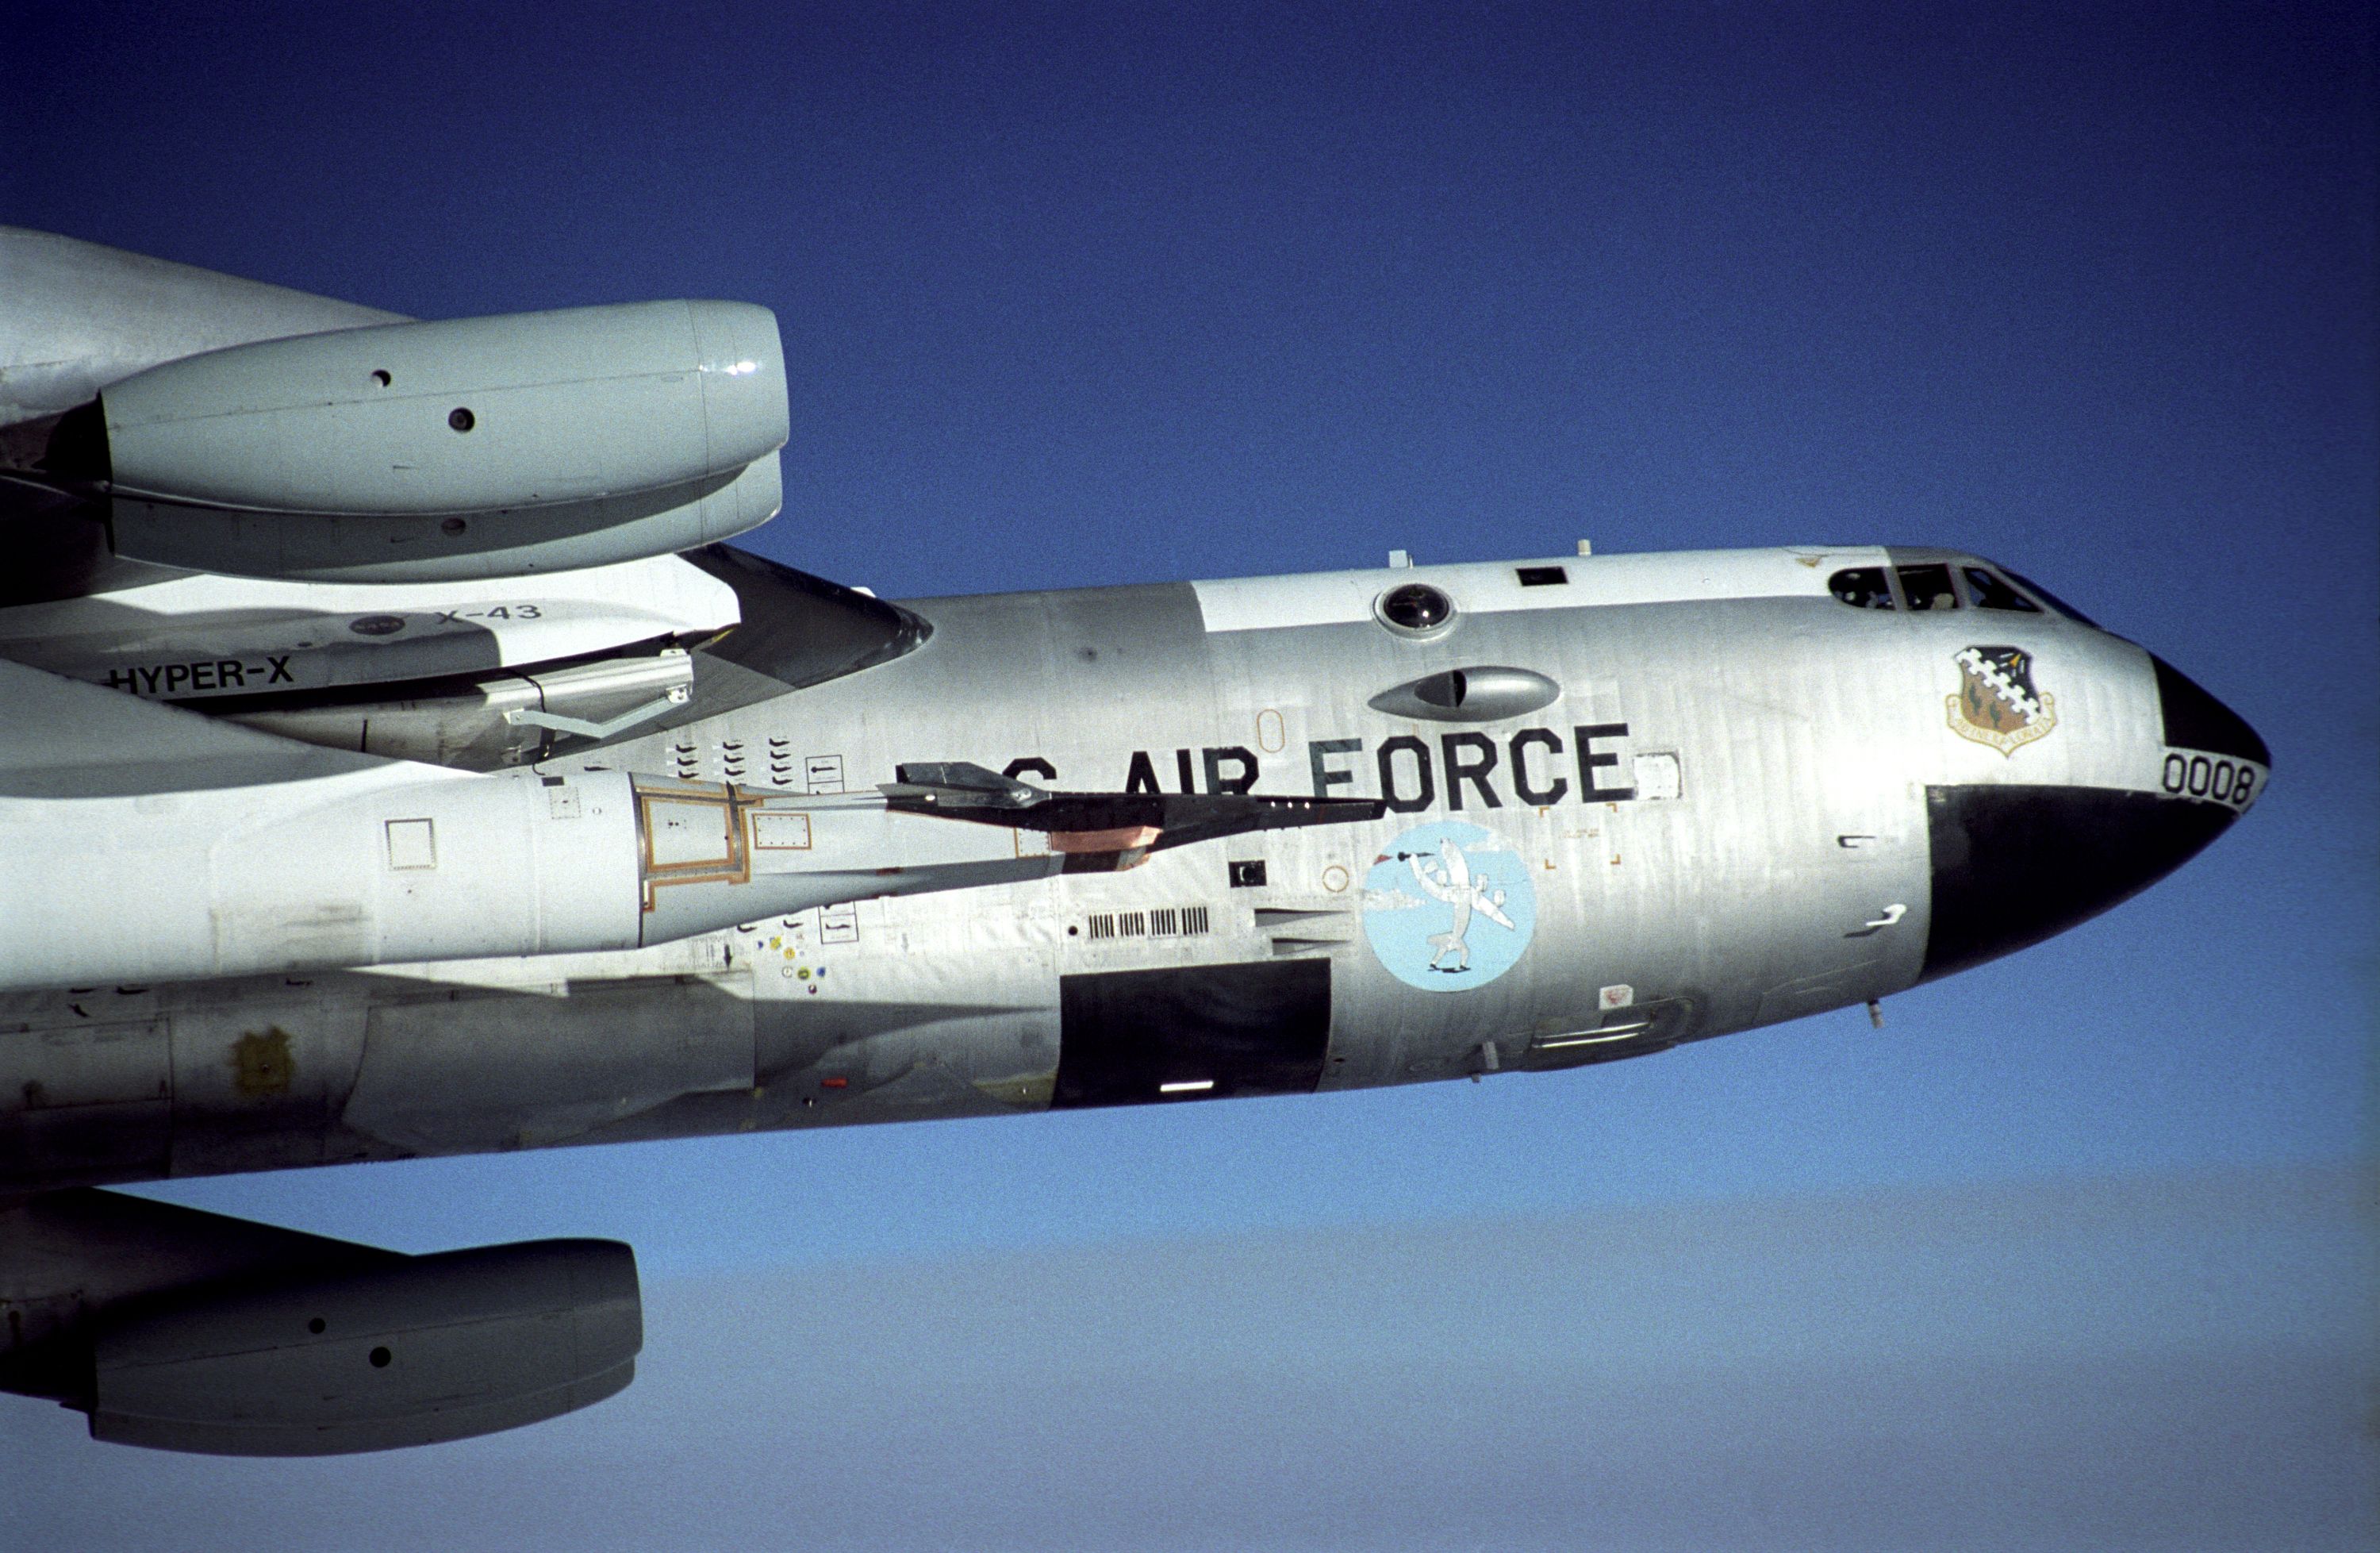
x=469, y=447
x=408, y=1352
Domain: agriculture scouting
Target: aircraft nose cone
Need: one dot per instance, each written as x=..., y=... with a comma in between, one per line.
x=2194, y=720
x=2013, y=865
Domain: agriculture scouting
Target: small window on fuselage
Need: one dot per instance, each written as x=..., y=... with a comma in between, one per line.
x=1862, y=588
x=1991, y=591
x=1416, y=608
x=1927, y=587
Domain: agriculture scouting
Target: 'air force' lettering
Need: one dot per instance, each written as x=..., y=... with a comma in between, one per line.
x=1533, y=769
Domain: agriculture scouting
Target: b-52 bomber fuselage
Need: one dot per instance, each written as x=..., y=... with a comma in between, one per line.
x=302, y=869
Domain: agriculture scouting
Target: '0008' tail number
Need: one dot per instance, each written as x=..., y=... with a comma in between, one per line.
x=2195, y=775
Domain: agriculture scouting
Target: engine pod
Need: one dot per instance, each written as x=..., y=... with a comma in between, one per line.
x=475, y=446
x=410, y=1352
x=464, y=415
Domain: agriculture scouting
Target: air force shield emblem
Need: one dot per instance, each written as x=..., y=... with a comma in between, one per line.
x=1996, y=703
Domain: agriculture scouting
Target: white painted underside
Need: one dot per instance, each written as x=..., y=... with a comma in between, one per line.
x=1490, y=587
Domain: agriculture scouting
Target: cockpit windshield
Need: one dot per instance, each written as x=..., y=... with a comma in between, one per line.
x=1991, y=591
x=1928, y=587
x=1862, y=588
x=2054, y=602
x=1935, y=586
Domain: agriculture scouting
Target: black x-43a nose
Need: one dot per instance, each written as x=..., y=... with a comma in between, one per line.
x=2013, y=864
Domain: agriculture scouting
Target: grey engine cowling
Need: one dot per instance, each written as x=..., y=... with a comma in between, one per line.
x=409, y=1352
x=468, y=447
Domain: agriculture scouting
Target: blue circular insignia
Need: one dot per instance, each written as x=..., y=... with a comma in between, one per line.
x=1449, y=907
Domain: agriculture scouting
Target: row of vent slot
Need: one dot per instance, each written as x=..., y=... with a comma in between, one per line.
x=1166, y=922
x=817, y=774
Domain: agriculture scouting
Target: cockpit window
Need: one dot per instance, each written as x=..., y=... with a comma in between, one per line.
x=2053, y=601
x=1991, y=591
x=1928, y=587
x=1862, y=588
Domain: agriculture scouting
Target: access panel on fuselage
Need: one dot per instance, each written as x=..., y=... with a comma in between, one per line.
x=1191, y=1033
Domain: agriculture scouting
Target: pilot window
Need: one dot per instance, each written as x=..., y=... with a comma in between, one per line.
x=1862, y=588
x=2053, y=602
x=1927, y=587
x=1992, y=591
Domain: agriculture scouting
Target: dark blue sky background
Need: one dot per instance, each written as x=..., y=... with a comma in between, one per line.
x=1079, y=295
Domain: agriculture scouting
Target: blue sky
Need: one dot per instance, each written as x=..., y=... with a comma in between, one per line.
x=1076, y=295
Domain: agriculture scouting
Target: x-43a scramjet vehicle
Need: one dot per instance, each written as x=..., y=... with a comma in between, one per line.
x=396, y=759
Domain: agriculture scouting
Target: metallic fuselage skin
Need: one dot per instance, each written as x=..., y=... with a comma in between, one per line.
x=1724, y=820
x=334, y=645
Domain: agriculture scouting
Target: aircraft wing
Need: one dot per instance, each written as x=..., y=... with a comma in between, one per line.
x=81, y=316
x=59, y=738
x=458, y=542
